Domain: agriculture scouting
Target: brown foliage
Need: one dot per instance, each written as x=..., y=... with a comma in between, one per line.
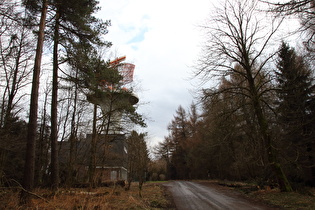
x=99, y=198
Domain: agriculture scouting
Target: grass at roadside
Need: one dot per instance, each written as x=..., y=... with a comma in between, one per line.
x=291, y=200
x=301, y=199
x=153, y=197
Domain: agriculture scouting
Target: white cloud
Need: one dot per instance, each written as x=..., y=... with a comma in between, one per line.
x=161, y=38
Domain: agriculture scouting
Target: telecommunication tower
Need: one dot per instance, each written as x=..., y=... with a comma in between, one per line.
x=112, y=99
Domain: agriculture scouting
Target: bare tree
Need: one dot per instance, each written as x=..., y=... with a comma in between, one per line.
x=304, y=10
x=138, y=159
x=163, y=151
x=229, y=132
x=43, y=141
x=16, y=52
x=238, y=36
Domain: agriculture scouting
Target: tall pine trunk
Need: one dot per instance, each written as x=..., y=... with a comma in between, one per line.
x=54, y=112
x=29, y=168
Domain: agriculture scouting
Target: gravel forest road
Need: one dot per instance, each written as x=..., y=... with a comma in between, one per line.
x=195, y=196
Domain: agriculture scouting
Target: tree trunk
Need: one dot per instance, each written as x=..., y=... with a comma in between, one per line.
x=92, y=166
x=263, y=126
x=72, y=137
x=54, y=114
x=29, y=168
x=13, y=89
x=42, y=159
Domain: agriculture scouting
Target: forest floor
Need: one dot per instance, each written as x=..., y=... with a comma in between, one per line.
x=154, y=196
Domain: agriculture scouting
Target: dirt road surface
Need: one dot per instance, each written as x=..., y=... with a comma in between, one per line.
x=193, y=196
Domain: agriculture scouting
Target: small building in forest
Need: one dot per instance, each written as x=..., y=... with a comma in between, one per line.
x=110, y=158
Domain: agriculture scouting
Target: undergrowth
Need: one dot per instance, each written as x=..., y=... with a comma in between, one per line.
x=153, y=197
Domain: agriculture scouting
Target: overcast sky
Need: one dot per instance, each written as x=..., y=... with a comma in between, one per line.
x=162, y=39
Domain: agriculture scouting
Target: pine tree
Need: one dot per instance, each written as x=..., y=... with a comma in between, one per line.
x=179, y=133
x=74, y=20
x=295, y=91
x=29, y=168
